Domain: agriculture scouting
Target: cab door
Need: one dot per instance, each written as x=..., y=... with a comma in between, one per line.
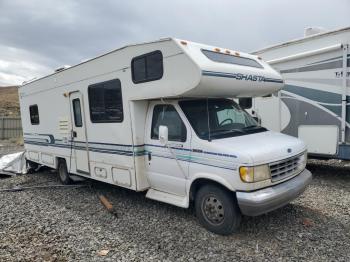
x=80, y=148
x=167, y=166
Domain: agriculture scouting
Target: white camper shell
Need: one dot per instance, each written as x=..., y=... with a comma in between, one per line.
x=155, y=117
x=316, y=95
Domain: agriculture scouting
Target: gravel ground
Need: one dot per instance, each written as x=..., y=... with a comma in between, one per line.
x=72, y=225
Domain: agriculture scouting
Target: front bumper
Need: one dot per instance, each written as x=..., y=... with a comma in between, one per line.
x=268, y=199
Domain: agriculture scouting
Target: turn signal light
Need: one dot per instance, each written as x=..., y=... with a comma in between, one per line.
x=251, y=174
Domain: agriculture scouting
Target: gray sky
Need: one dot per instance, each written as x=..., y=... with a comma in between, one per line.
x=38, y=36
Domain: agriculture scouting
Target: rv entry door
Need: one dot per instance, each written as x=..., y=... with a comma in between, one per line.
x=80, y=147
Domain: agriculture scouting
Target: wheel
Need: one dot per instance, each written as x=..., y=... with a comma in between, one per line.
x=217, y=209
x=63, y=173
x=31, y=166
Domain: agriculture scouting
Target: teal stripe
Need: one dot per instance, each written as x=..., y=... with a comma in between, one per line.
x=316, y=95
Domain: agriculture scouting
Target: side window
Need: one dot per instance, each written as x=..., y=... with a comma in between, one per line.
x=78, y=121
x=147, y=67
x=34, y=114
x=166, y=115
x=231, y=59
x=105, y=102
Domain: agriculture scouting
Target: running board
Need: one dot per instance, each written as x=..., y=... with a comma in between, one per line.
x=180, y=201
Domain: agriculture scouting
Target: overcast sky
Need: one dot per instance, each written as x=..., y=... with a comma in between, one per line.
x=37, y=36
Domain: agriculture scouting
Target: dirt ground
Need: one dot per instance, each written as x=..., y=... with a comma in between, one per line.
x=9, y=102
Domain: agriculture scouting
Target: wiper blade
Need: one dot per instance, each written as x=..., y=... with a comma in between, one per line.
x=251, y=127
x=226, y=131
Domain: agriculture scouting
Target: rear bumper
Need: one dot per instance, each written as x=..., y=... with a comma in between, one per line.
x=268, y=199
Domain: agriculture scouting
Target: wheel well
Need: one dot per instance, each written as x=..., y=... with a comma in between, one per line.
x=58, y=160
x=196, y=185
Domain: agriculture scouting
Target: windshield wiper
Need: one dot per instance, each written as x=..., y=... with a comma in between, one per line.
x=254, y=128
x=227, y=131
x=251, y=127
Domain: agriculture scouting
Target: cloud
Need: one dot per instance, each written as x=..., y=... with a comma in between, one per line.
x=18, y=65
x=37, y=36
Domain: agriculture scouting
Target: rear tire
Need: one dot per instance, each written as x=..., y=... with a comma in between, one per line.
x=63, y=173
x=31, y=166
x=217, y=209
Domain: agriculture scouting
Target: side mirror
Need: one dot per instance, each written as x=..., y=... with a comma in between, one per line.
x=163, y=135
x=257, y=119
x=245, y=102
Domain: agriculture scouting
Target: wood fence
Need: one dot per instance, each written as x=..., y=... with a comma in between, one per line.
x=10, y=127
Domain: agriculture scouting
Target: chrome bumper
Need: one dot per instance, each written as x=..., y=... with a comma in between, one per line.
x=268, y=199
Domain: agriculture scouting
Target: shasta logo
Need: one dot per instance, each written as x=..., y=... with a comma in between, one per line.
x=239, y=76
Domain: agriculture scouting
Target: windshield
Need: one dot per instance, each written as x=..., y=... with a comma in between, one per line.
x=225, y=118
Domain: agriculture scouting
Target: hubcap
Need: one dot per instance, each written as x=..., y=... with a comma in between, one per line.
x=213, y=210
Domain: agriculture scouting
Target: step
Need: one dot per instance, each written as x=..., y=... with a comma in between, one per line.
x=176, y=200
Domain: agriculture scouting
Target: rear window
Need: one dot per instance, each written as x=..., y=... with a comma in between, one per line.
x=231, y=59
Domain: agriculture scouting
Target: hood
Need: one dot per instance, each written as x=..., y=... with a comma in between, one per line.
x=261, y=148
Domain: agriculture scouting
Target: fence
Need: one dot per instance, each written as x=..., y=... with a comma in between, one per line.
x=10, y=127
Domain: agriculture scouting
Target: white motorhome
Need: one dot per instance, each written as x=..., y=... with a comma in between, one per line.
x=155, y=117
x=315, y=101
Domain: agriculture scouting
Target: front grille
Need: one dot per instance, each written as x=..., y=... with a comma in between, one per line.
x=286, y=167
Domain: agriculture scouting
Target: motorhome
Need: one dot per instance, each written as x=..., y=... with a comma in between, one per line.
x=314, y=104
x=156, y=117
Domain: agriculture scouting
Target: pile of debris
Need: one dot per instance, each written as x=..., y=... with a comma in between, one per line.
x=13, y=164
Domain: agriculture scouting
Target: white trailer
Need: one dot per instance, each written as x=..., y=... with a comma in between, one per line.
x=154, y=117
x=315, y=101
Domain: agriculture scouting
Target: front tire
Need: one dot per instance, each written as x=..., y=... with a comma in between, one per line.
x=217, y=209
x=63, y=173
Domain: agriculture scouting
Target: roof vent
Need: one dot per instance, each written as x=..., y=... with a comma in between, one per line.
x=62, y=68
x=309, y=31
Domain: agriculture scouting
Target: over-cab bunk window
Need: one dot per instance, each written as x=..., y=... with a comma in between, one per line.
x=147, y=67
x=231, y=59
x=105, y=102
x=34, y=114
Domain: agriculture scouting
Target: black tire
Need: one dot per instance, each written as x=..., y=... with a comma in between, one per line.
x=31, y=166
x=217, y=209
x=63, y=173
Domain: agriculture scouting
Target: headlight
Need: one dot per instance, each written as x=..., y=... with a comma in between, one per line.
x=302, y=161
x=252, y=174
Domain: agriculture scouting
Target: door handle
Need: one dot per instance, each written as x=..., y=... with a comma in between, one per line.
x=174, y=145
x=149, y=156
x=74, y=133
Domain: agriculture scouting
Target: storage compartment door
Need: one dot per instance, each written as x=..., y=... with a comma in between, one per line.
x=320, y=139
